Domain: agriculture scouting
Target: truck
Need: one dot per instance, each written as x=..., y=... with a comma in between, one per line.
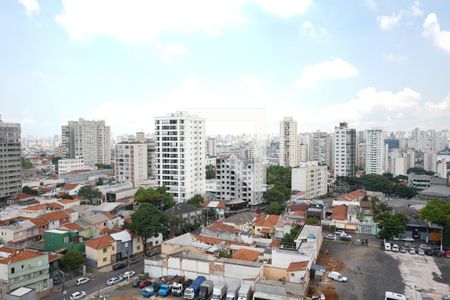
x=206, y=289
x=219, y=291
x=245, y=292
x=194, y=288
x=233, y=289
x=152, y=289
x=164, y=290
x=176, y=285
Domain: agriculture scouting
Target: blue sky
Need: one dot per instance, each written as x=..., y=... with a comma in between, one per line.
x=242, y=64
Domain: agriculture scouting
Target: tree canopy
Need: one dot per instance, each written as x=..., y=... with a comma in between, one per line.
x=72, y=260
x=26, y=164
x=289, y=238
x=195, y=200
x=158, y=197
x=381, y=183
x=438, y=212
x=280, y=175
x=27, y=190
x=275, y=208
x=89, y=193
x=419, y=171
x=148, y=221
x=391, y=225
x=103, y=166
x=210, y=172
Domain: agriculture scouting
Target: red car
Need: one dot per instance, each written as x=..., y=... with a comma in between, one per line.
x=144, y=283
x=446, y=253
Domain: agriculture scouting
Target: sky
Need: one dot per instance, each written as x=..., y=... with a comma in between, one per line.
x=241, y=64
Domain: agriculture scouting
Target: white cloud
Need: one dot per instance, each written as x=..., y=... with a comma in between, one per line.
x=432, y=31
x=371, y=4
x=396, y=58
x=251, y=82
x=335, y=68
x=415, y=9
x=284, y=8
x=31, y=6
x=387, y=22
x=309, y=29
x=133, y=21
x=169, y=51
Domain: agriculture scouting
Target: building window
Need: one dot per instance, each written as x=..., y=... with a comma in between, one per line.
x=104, y=259
x=13, y=270
x=105, y=250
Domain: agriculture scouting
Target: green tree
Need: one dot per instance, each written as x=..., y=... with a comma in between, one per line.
x=210, y=172
x=438, y=212
x=72, y=260
x=148, y=221
x=391, y=225
x=158, y=197
x=195, y=200
x=275, y=208
x=103, y=166
x=288, y=239
x=26, y=164
x=312, y=221
x=89, y=193
x=99, y=181
x=27, y=190
x=279, y=174
x=419, y=171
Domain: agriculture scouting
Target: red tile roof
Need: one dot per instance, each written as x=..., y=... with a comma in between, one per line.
x=297, y=266
x=352, y=196
x=340, y=212
x=55, y=215
x=72, y=227
x=39, y=221
x=22, y=196
x=267, y=221
x=68, y=201
x=69, y=186
x=220, y=203
x=214, y=241
x=19, y=255
x=100, y=242
x=246, y=254
x=109, y=216
x=275, y=244
x=299, y=207
x=41, y=206
x=219, y=226
x=53, y=257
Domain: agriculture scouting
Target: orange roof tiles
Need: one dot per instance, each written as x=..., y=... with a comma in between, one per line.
x=100, y=242
x=275, y=244
x=219, y=226
x=69, y=186
x=297, y=266
x=212, y=241
x=267, y=221
x=72, y=227
x=19, y=255
x=299, y=207
x=340, y=212
x=53, y=257
x=55, y=215
x=109, y=216
x=220, y=203
x=39, y=221
x=266, y=230
x=246, y=254
x=43, y=206
x=352, y=196
x=68, y=201
x=22, y=196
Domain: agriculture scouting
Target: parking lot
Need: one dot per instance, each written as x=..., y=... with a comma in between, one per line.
x=371, y=271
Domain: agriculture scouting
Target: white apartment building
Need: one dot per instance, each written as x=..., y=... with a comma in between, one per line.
x=240, y=179
x=400, y=161
x=288, y=143
x=10, y=165
x=361, y=155
x=211, y=147
x=181, y=154
x=320, y=148
x=375, y=152
x=344, y=150
x=442, y=168
x=430, y=160
x=67, y=165
x=90, y=140
x=131, y=162
x=310, y=178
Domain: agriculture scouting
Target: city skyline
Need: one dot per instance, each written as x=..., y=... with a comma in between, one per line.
x=376, y=67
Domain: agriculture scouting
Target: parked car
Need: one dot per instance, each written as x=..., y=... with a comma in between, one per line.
x=408, y=239
x=330, y=236
x=387, y=246
x=119, y=266
x=412, y=250
x=81, y=281
x=420, y=252
x=393, y=296
x=429, y=252
x=396, y=238
x=446, y=297
x=395, y=248
x=144, y=283
x=402, y=249
x=345, y=237
x=134, y=261
x=446, y=253
x=78, y=295
x=337, y=276
x=135, y=283
x=409, y=245
x=164, y=290
x=424, y=247
x=114, y=280
x=128, y=274
x=339, y=232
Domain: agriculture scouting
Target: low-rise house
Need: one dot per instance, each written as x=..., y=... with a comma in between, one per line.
x=349, y=199
x=37, y=210
x=70, y=189
x=247, y=254
x=41, y=226
x=283, y=226
x=69, y=203
x=56, y=219
x=217, y=207
x=19, y=233
x=265, y=225
x=61, y=240
x=186, y=212
x=242, y=221
x=345, y=217
x=19, y=267
x=100, y=252
x=220, y=230
x=22, y=199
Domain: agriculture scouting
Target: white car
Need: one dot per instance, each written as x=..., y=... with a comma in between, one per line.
x=395, y=248
x=128, y=274
x=408, y=239
x=339, y=232
x=337, y=276
x=78, y=295
x=114, y=280
x=81, y=280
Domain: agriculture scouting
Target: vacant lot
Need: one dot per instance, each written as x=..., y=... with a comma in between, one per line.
x=372, y=271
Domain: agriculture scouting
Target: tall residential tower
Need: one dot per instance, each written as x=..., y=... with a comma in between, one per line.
x=344, y=150
x=10, y=165
x=288, y=142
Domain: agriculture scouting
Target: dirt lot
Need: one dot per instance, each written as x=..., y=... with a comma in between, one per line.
x=372, y=271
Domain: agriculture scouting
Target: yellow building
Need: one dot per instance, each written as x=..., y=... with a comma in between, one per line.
x=100, y=252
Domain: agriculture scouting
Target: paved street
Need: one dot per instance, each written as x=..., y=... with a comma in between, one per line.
x=95, y=284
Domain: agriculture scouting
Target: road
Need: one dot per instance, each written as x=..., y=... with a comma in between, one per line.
x=95, y=284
